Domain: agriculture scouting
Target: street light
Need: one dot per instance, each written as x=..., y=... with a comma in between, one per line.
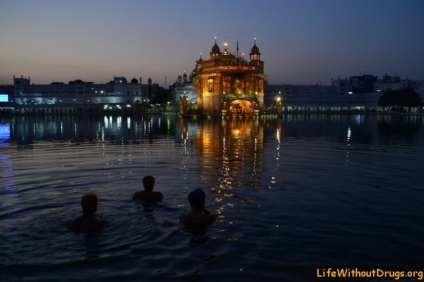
x=279, y=102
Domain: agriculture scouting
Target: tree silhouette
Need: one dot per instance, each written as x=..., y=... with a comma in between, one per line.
x=406, y=97
x=163, y=97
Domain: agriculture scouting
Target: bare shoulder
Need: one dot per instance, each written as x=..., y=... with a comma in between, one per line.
x=158, y=196
x=83, y=223
x=148, y=196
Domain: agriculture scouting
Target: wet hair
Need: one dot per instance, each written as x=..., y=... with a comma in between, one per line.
x=197, y=197
x=89, y=203
x=148, y=182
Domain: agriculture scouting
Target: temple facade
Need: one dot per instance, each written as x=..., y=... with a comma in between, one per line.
x=229, y=85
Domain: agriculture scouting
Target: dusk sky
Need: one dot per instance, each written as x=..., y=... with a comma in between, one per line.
x=301, y=41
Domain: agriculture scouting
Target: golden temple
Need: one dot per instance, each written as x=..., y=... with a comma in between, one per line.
x=229, y=85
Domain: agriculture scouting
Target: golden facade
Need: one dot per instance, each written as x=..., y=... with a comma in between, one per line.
x=229, y=85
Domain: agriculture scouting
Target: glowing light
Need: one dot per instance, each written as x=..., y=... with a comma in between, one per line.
x=4, y=98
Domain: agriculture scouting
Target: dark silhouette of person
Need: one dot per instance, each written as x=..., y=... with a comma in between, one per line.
x=198, y=216
x=88, y=221
x=148, y=195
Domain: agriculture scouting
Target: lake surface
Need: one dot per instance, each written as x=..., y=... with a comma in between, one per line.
x=293, y=195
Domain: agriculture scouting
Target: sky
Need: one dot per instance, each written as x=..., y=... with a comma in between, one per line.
x=301, y=41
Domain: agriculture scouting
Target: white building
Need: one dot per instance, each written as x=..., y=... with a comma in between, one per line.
x=76, y=95
x=336, y=97
x=184, y=88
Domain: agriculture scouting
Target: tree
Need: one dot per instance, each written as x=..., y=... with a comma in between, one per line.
x=163, y=97
x=77, y=81
x=406, y=97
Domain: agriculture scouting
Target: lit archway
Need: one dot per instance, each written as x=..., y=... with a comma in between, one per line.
x=240, y=108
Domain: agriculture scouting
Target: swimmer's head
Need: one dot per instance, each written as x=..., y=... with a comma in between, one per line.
x=89, y=203
x=197, y=197
x=148, y=182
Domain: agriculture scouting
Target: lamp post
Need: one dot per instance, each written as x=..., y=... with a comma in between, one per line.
x=279, y=103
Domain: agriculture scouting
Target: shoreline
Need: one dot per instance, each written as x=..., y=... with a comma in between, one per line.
x=394, y=113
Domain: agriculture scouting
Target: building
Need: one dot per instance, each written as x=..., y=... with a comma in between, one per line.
x=307, y=98
x=6, y=106
x=76, y=96
x=344, y=94
x=229, y=85
x=183, y=88
x=362, y=83
x=356, y=93
x=150, y=90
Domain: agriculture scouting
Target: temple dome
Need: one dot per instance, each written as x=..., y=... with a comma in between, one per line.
x=255, y=49
x=215, y=48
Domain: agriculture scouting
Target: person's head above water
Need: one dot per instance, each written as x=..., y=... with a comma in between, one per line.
x=197, y=216
x=89, y=203
x=148, y=195
x=197, y=198
x=88, y=221
x=148, y=182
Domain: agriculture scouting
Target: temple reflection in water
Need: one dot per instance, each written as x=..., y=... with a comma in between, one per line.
x=233, y=147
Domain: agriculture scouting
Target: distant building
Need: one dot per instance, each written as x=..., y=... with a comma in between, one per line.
x=310, y=97
x=420, y=89
x=394, y=83
x=183, y=88
x=77, y=95
x=339, y=96
x=6, y=92
x=344, y=94
x=362, y=83
x=227, y=84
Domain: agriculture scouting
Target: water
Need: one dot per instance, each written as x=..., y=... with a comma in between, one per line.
x=294, y=197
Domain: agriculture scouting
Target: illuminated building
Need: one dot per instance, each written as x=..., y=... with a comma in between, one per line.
x=183, y=89
x=227, y=84
x=75, y=97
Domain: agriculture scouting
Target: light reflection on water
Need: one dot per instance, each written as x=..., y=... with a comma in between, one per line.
x=292, y=195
